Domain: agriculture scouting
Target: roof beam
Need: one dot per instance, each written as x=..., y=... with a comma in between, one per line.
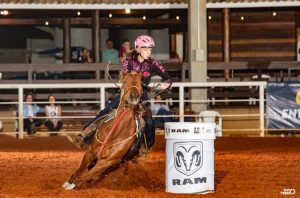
x=87, y=21
x=100, y=6
x=140, y=21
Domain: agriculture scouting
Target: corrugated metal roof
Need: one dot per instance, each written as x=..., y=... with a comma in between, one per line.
x=130, y=1
x=246, y=1
x=94, y=1
x=140, y=4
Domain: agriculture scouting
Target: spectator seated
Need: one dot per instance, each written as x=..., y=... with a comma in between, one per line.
x=161, y=112
x=70, y=123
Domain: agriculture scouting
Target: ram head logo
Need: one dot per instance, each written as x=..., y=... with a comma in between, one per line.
x=188, y=157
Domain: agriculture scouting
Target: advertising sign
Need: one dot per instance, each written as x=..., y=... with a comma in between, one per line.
x=283, y=105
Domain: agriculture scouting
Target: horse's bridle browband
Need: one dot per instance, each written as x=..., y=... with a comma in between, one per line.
x=130, y=87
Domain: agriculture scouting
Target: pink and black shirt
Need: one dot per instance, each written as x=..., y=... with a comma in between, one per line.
x=149, y=67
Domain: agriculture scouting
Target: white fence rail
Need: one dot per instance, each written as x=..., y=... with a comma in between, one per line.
x=181, y=86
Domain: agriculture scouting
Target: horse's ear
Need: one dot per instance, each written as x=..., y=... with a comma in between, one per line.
x=139, y=74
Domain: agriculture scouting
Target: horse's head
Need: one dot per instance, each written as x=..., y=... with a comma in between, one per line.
x=131, y=87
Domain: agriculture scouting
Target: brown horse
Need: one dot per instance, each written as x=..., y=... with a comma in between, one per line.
x=114, y=137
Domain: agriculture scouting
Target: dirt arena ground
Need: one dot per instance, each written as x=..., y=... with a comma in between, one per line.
x=244, y=167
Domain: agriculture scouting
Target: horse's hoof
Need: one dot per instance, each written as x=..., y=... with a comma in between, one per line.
x=68, y=186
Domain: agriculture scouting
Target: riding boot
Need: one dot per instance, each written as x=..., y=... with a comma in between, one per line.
x=89, y=137
x=150, y=136
x=85, y=136
x=143, y=151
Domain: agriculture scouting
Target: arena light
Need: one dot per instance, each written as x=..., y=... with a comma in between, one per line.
x=78, y=13
x=4, y=12
x=177, y=17
x=242, y=18
x=110, y=15
x=46, y=23
x=127, y=11
x=274, y=14
x=144, y=17
x=209, y=18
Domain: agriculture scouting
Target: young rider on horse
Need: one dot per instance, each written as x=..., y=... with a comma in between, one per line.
x=141, y=62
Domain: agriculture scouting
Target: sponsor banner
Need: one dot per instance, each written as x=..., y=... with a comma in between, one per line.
x=189, y=130
x=283, y=105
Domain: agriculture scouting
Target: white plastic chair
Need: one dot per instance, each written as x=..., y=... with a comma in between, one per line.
x=212, y=117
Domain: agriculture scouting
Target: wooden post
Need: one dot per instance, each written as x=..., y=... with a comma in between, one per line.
x=172, y=41
x=29, y=73
x=67, y=40
x=185, y=46
x=96, y=35
x=297, y=29
x=226, y=45
x=197, y=42
x=226, y=40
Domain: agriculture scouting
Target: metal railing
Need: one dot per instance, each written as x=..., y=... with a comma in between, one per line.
x=181, y=99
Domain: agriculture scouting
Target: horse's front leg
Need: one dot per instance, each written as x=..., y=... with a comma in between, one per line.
x=109, y=158
x=84, y=164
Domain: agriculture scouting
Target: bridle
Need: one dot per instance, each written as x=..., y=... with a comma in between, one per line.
x=127, y=89
x=151, y=90
x=132, y=87
x=109, y=76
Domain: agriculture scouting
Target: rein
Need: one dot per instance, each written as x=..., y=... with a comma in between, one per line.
x=127, y=139
x=107, y=71
x=156, y=94
x=123, y=113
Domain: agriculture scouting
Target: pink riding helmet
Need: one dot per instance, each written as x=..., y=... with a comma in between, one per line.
x=144, y=41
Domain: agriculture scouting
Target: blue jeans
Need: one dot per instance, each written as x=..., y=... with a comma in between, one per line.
x=149, y=122
x=160, y=121
x=112, y=105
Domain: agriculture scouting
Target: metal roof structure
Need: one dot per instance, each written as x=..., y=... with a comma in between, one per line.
x=139, y=4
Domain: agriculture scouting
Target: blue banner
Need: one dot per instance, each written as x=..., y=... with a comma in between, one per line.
x=283, y=105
